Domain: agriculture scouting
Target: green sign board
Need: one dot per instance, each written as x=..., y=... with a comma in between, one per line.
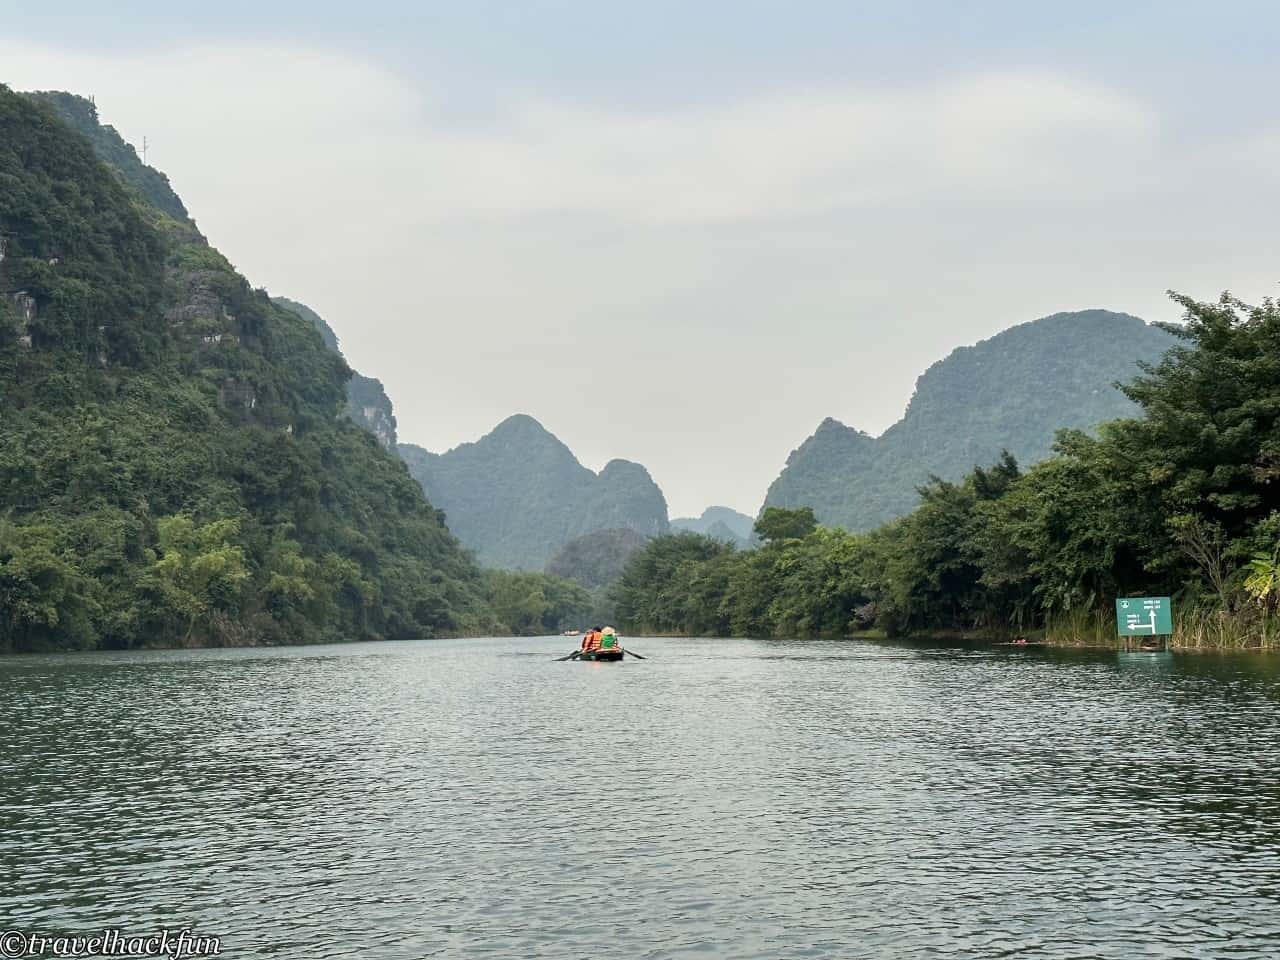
x=1144, y=616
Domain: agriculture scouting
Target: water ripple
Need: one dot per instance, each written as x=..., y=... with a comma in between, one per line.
x=721, y=799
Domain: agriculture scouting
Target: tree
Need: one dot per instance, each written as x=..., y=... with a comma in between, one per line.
x=1210, y=439
x=654, y=591
x=533, y=604
x=816, y=584
x=781, y=523
x=196, y=570
x=44, y=601
x=1263, y=581
x=1204, y=543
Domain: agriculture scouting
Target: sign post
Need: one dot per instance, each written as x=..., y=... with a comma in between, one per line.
x=1144, y=616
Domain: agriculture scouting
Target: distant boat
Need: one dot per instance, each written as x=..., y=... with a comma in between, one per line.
x=571, y=633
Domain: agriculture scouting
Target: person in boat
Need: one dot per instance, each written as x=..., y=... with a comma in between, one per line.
x=591, y=641
x=609, y=639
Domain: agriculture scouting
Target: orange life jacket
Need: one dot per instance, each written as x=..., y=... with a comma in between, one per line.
x=591, y=641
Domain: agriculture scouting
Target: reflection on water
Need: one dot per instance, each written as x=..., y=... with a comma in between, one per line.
x=723, y=798
x=1155, y=661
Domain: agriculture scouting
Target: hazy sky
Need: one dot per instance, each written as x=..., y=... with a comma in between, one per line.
x=683, y=233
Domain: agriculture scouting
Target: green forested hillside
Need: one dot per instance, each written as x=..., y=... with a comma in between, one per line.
x=115, y=152
x=367, y=400
x=173, y=465
x=1012, y=392
x=518, y=493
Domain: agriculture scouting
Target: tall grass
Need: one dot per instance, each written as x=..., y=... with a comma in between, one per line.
x=1197, y=628
x=1249, y=628
x=1081, y=628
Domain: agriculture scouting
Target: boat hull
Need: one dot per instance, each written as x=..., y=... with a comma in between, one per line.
x=601, y=656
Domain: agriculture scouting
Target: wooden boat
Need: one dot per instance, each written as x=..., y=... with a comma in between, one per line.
x=603, y=656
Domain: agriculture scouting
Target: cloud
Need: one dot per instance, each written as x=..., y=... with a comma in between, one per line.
x=303, y=120
x=786, y=155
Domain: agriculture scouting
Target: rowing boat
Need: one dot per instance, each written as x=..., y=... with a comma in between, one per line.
x=602, y=656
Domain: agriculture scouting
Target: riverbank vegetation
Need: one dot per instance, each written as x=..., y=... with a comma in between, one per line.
x=1183, y=500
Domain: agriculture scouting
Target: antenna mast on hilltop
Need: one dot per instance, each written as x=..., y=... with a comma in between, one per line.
x=144, y=150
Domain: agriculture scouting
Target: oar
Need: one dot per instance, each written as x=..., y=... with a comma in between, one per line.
x=572, y=656
x=636, y=655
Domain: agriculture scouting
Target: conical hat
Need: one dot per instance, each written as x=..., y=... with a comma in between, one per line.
x=608, y=631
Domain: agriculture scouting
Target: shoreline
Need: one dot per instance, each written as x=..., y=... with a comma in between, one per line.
x=160, y=647
x=1035, y=638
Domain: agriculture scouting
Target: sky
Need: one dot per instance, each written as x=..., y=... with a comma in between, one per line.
x=683, y=233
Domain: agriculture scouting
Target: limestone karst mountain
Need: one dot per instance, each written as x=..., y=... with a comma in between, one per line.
x=517, y=494
x=1013, y=391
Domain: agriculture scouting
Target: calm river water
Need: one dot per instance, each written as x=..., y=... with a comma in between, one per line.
x=720, y=799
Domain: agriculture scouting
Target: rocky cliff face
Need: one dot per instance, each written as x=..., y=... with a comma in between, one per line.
x=1013, y=391
x=367, y=401
x=518, y=493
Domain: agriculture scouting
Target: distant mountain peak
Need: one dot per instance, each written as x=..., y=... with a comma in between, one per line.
x=716, y=521
x=618, y=467
x=521, y=423
x=523, y=431
x=831, y=425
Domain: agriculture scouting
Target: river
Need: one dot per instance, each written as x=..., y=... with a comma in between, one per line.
x=723, y=798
